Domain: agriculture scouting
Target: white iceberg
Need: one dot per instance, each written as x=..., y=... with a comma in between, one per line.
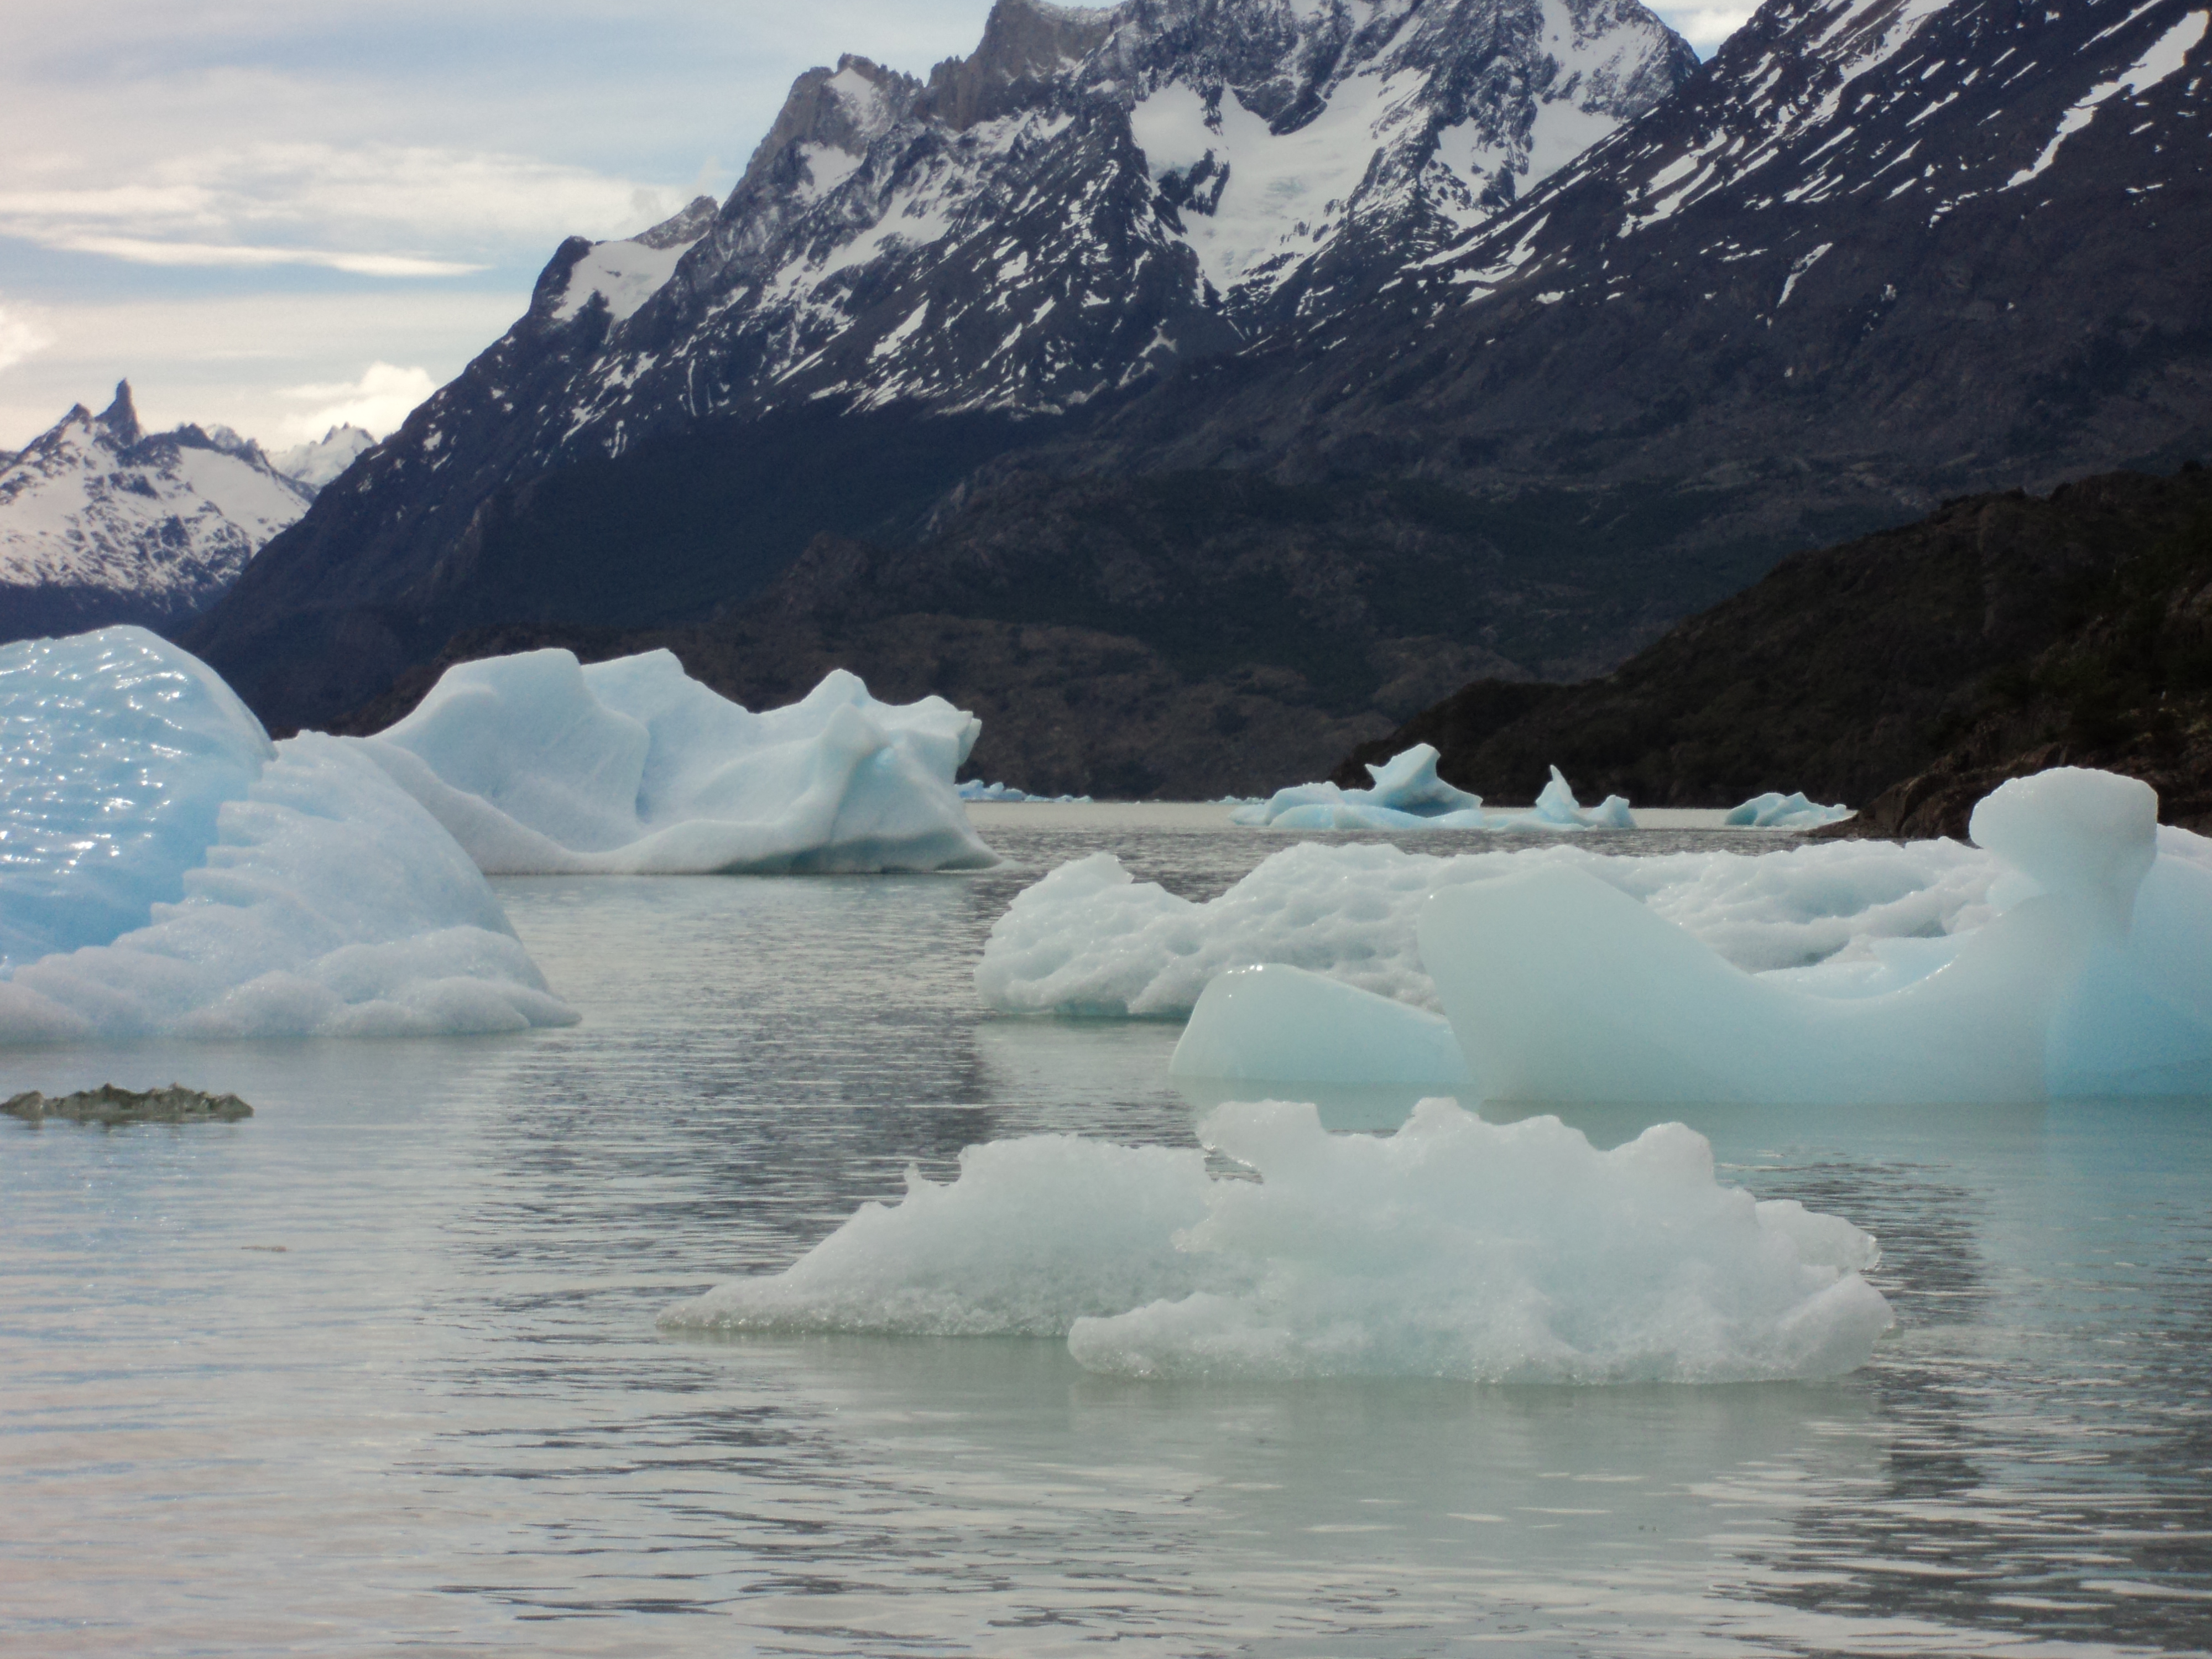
x=1454, y=1248
x=1088, y=939
x=2086, y=970
x=538, y=765
x=1408, y=794
x=1774, y=810
x=169, y=871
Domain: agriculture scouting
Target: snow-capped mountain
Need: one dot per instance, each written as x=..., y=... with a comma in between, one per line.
x=1874, y=254
x=101, y=522
x=1089, y=197
x=1089, y=201
x=317, y=463
x=1932, y=244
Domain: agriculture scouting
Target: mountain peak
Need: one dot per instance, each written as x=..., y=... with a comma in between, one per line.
x=1023, y=40
x=120, y=417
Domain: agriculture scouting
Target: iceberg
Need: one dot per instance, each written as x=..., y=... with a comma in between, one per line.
x=538, y=765
x=169, y=871
x=2087, y=972
x=1773, y=810
x=976, y=789
x=1408, y=794
x=1273, y=1024
x=1454, y=1248
x=1089, y=939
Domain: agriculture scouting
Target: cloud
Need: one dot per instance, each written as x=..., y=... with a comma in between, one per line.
x=139, y=251
x=1705, y=27
x=378, y=402
x=19, y=337
x=374, y=210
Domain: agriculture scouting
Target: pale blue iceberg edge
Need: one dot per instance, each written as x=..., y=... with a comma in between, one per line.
x=167, y=870
x=1408, y=794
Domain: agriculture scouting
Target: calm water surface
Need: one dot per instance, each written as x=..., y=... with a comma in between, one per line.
x=376, y=1370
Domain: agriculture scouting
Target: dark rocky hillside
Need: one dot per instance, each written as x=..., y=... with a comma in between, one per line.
x=1907, y=672
x=1876, y=253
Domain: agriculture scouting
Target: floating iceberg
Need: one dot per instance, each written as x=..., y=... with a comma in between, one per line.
x=1408, y=794
x=2086, y=969
x=2094, y=977
x=1273, y=1024
x=976, y=789
x=1454, y=1248
x=168, y=870
x=1777, y=812
x=540, y=766
x=1089, y=939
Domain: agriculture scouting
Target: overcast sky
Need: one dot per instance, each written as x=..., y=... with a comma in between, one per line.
x=279, y=214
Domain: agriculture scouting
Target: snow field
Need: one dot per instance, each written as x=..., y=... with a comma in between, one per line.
x=1455, y=1248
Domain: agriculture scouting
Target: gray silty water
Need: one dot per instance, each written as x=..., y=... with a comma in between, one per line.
x=377, y=1369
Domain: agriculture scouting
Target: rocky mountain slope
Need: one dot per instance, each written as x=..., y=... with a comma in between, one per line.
x=913, y=276
x=1874, y=254
x=102, y=522
x=1907, y=673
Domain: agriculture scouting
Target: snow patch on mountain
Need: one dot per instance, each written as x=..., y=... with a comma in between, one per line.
x=316, y=464
x=154, y=525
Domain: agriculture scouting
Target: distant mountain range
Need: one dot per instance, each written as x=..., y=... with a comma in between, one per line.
x=1304, y=360
x=103, y=522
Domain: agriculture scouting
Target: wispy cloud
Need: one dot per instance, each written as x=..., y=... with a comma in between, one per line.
x=374, y=210
x=139, y=251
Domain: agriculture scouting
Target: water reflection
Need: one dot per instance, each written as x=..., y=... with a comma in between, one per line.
x=378, y=1368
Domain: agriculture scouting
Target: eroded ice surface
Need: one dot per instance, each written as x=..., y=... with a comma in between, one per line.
x=1408, y=794
x=168, y=870
x=1454, y=1248
x=2093, y=976
x=1089, y=939
x=1775, y=810
x=538, y=765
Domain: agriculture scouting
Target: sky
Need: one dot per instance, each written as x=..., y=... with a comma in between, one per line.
x=280, y=215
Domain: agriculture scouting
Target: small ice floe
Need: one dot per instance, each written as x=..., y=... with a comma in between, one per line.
x=2086, y=969
x=1408, y=794
x=169, y=871
x=1777, y=811
x=976, y=789
x=1455, y=1248
x=538, y=765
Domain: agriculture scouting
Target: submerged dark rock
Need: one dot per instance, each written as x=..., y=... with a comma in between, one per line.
x=108, y=1106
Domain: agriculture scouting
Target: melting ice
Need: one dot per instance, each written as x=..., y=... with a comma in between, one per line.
x=167, y=869
x=538, y=765
x=1455, y=1248
x=2085, y=969
x=1408, y=794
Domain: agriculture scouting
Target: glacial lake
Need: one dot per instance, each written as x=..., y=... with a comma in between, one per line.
x=377, y=1370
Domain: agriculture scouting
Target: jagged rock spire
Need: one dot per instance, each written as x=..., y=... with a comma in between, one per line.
x=121, y=417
